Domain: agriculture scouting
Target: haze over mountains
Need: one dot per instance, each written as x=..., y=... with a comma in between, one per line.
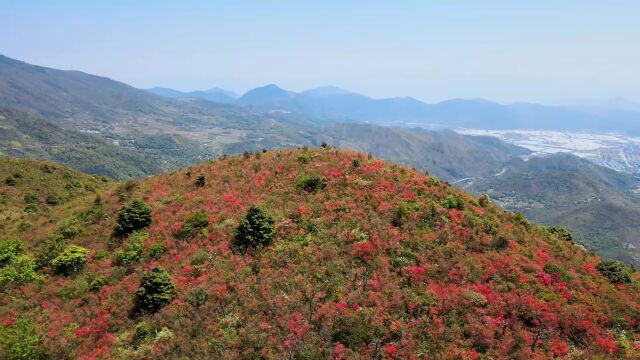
x=214, y=94
x=108, y=128
x=330, y=103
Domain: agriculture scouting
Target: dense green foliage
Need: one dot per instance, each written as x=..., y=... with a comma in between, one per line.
x=311, y=183
x=560, y=232
x=9, y=249
x=15, y=268
x=131, y=252
x=256, y=229
x=194, y=224
x=134, y=216
x=201, y=181
x=19, y=340
x=70, y=261
x=156, y=290
x=615, y=271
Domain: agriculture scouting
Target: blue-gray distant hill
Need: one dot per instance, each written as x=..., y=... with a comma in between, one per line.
x=337, y=105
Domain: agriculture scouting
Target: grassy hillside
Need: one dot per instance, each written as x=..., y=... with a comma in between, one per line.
x=597, y=204
x=58, y=94
x=26, y=135
x=35, y=195
x=346, y=256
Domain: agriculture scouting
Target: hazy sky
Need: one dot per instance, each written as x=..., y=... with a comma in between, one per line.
x=510, y=50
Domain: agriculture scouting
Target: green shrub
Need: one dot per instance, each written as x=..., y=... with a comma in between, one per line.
x=156, y=251
x=20, y=341
x=97, y=283
x=31, y=209
x=9, y=250
x=58, y=240
x=484, y=201
x=311, y=183
x=453, y=202
x=195, y=223
x=198, y=297
x=132, y=250
x=70, y=261
x=402, y=214
x=303, y=159
x=560, y=232
x=355, y=163
x=70, y=227
x=30, y=198
x=53, y=200
x=156, y=290
x=101, y=254
x=21, y=270
x=46, y=168
x=255, y=229
x=131, y=253
x=201, y=181
x=615, y=271
x=11, y=181
x=135, y=216
x=499, y=243
x=141, y=332
x=53, y=246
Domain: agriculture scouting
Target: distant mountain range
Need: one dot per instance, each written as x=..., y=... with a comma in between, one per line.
x=338, y=105
x=106, y=127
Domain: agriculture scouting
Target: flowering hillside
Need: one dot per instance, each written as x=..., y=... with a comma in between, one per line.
x=307, y=254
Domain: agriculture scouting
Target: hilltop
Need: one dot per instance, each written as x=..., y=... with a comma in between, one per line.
x=309, y=254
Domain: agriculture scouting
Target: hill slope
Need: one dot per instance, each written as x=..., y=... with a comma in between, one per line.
x=86, y=99
x=444, y=154
x=364, y=260
x=597, y=204
x=35, y=194
x=26, y=135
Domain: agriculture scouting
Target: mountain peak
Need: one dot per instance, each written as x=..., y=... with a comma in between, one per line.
x=328, y=90
x=269, y=95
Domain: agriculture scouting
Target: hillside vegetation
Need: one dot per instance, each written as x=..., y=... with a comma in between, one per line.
x=26, y=135
x=36, y=194
x=597, y=204
x=444, y=154
x=305, y=254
